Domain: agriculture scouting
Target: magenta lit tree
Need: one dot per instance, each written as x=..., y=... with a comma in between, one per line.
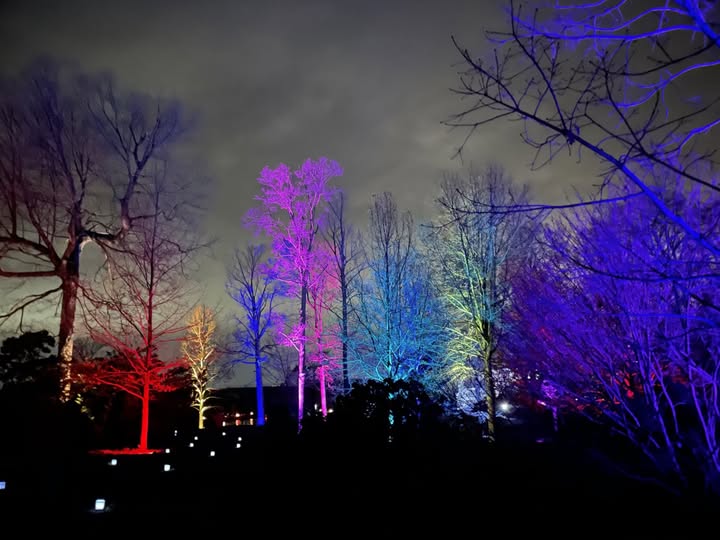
x=323, y=289
x=290, y=214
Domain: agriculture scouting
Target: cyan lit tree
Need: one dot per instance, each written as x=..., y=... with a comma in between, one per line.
x=251, y=285
x=399, y=323
x=476, y=250
x=291, y=211
x=74, y=160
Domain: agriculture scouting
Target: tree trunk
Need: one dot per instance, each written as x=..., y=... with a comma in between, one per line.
x=259, y=393
x=301, y=357
x=489, y=392
x=70, y=284
x=144, y=426
x=201, y=413
x=343, y=292
x=323, y=392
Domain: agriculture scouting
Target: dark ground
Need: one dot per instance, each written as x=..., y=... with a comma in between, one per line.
x=339, y=487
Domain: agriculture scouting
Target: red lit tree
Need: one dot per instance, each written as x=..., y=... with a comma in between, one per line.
x=139, y=302
x=293, y=203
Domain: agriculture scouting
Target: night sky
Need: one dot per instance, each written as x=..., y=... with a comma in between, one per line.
x=365, y=83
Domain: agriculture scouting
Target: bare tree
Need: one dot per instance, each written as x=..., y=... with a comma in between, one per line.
x=621, y=80
x=138, y=305
x=253, y=289
x=74, y=156
x=201, y=358
x=475, y=252
x=340, y=238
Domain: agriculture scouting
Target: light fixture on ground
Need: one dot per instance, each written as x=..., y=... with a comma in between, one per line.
x=166, y=467
x=167, y=450
x=239, y=438
x=196, y=437
x=99, y=505
x=3, y=485
x=224, y=433
x=113, y=462
x=238, y=445
x=212, y=453
x=191, y=445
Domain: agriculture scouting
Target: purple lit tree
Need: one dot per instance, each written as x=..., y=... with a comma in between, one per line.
x=291, y=211
x=252, y=287
x=624, y=81
x=621, y=321
x=323, y=288
x=74, y=162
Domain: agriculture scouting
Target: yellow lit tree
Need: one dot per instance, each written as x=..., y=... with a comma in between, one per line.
x=201, y=358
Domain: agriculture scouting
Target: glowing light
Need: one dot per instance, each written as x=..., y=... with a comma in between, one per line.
x=212, y=453
x=504, y=406
x=99, y=505
x=2, y=484
x=167, y=450
x=113, y=462
x=237, y=415
x=239, y=438
x=224, y=433
x=238, y=445
x=223, y=424
x=191, y=445
x=196, y=437
x=176, y=433
x=166, y=467
x=331, y=410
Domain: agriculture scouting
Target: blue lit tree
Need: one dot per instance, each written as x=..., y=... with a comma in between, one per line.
x=625, y=81
x=251, y=285
x=399, y=330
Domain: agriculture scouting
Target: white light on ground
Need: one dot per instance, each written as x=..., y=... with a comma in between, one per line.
x=239, y=438
x=212, y=453
x=196, y=437
x=224, y=433
x=330, y=411
x=238, y=445
x=167, y=450
x=223, y=423
x=2, y=484
x=113, y=462
x=166, y=467
x=191, y=445
x=99, y=505
x=176, y=432
x=504, y=406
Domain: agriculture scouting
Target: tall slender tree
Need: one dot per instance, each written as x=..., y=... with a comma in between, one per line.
x=200, y=356
x=251, y=285
x=293, y=205
x=74, y=161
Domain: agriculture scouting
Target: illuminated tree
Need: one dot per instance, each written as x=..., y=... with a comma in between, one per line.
x=74, y=156
x=251, y=285
x=293, y=204
x=322, y=290
x=399, y=332
x=342, y=242
x=475, y=251
x=621, y=80
x=621, y=321
x=138, y=304
x=201, y=358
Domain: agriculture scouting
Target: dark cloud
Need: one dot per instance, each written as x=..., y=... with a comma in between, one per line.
x=365, y=83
